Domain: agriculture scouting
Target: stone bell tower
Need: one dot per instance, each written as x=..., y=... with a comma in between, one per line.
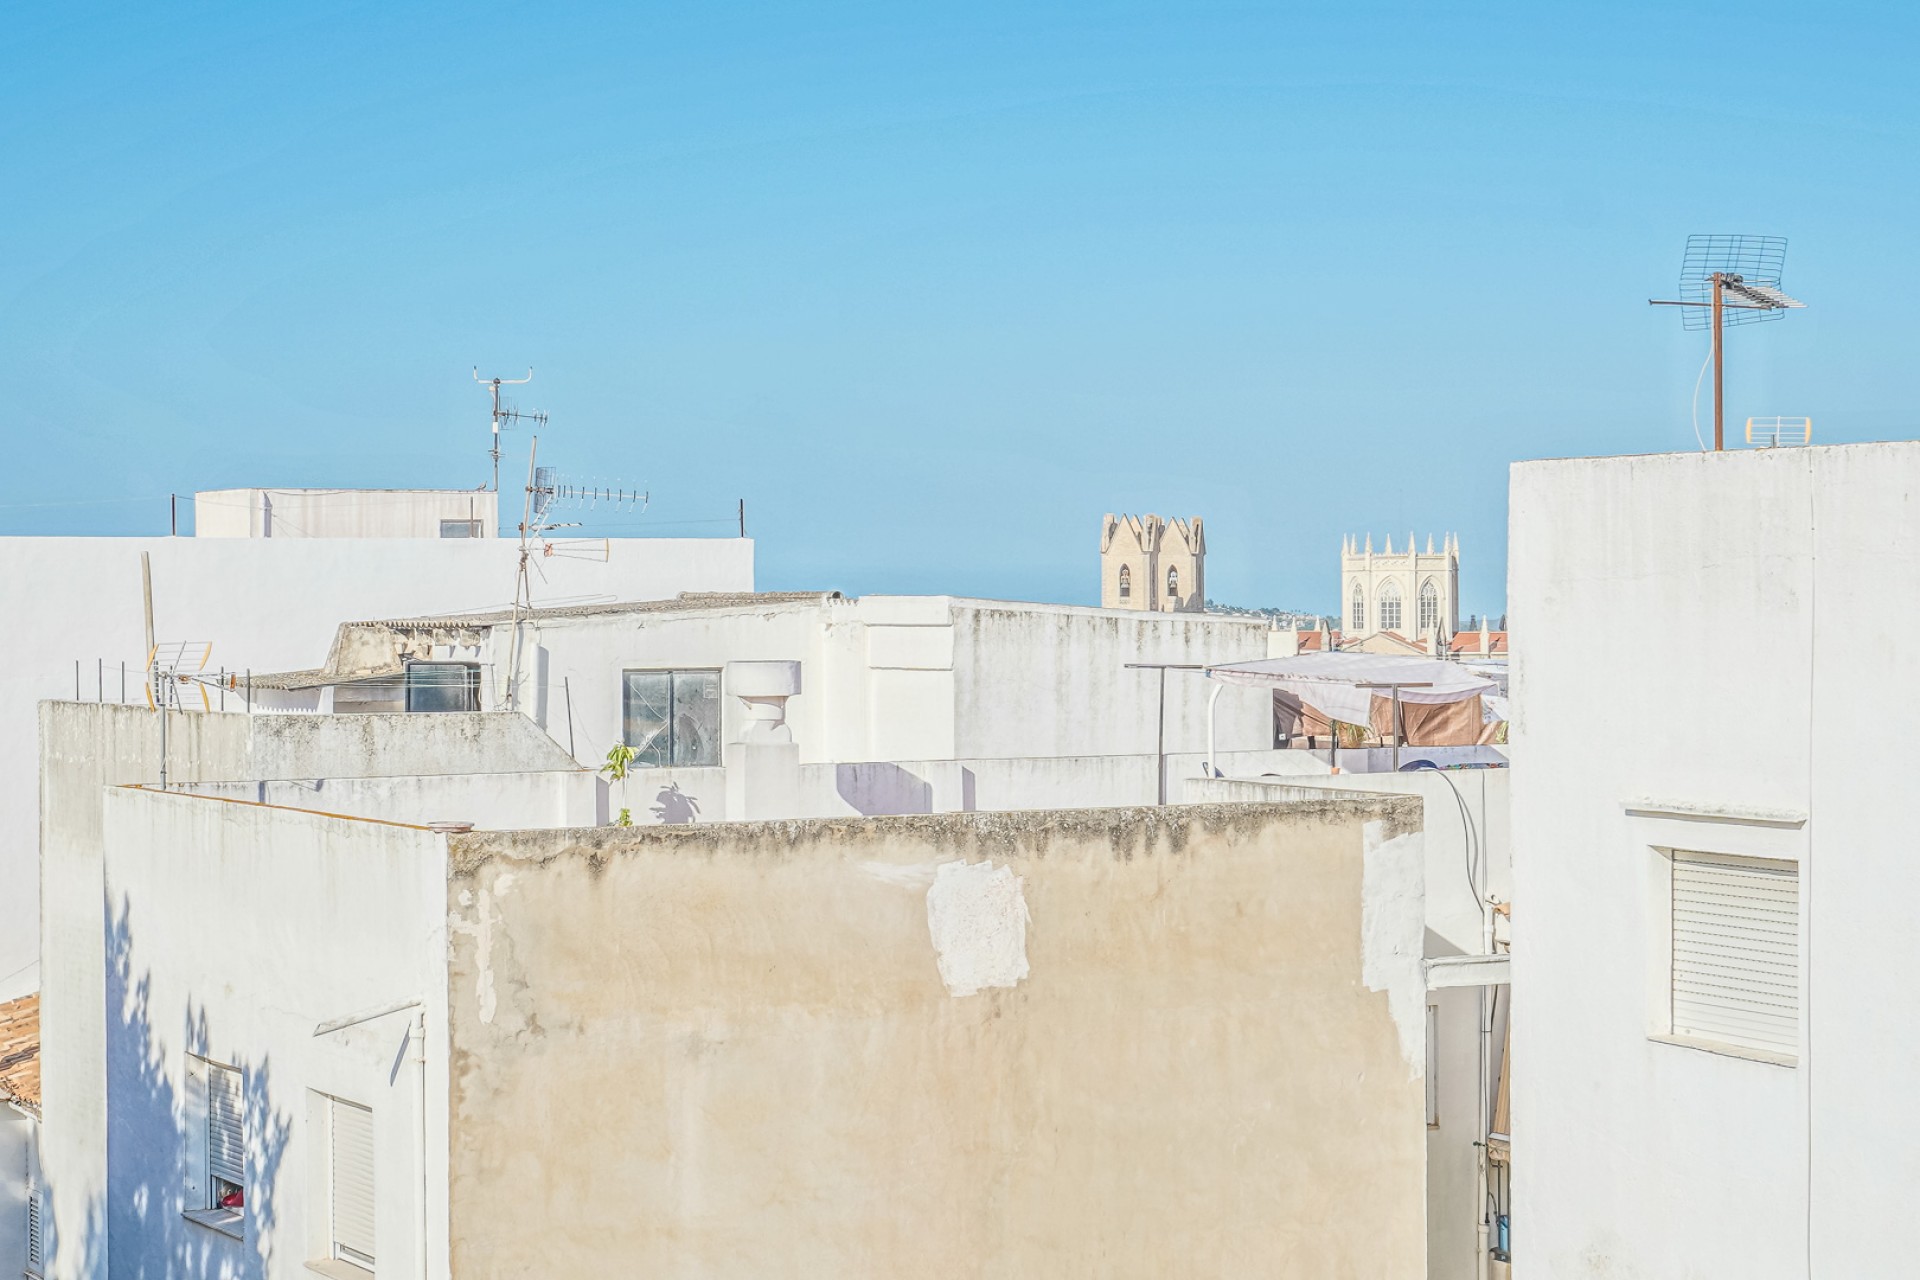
x=1153, y=565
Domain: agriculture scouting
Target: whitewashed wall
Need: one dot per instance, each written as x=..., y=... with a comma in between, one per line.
x=221, y=914
x=1781, y=583
x=340, y=513
x=915, y=677
x=266, y=604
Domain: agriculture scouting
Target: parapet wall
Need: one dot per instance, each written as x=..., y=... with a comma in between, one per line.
x=1133, y=1042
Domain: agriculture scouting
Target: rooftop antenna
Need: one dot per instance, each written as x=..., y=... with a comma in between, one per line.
x=505, y=413
x=1722, y=274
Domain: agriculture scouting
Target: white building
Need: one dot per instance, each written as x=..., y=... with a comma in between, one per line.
x=1020, y=705
x=1714, y=889
x=883, y=705
x=76, y=629
x=346, y=513
x=1408, y=595
x=351, y=1044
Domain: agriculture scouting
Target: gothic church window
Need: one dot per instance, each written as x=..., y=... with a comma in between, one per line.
x=1126, y=582
x=1359, y=608
x=1173, y=584
x=1390, y=607
x=1429, y=606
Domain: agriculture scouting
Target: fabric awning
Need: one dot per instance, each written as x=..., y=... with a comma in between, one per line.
x=1344, y=685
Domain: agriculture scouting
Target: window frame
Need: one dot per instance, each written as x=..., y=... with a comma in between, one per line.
x=202, y=1188
x=1659, y=828
x=674, y=756
x=1388, y=595
x=471, y=689
x=1428, y=603
x=337, y=1251
x=1359, y=609
x=473, y=527
x=36, y=1242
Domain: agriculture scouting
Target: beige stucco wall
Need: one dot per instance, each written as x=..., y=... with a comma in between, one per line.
x=729, y=1051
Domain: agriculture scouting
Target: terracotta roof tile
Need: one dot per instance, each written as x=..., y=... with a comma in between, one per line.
x=1469, y=642
x=20, y=1051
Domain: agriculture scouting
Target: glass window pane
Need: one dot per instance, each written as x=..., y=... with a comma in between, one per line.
x=443, y=686
x=696, y=718
x=647, y=714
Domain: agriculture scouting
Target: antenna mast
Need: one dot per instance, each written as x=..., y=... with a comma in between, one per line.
x=1734, y=280
x=523, y=587
x=505, y=413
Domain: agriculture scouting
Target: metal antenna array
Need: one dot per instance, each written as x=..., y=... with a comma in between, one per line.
x=1722, y=274
x=542, y=489
x=505, y=413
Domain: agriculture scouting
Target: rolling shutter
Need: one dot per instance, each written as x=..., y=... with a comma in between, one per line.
x=36, y=1247
x=352, y=1175
x=1736, y=951
x=226, y=1125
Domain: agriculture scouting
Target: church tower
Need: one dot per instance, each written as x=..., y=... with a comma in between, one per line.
x=1153, y=565
x=1412, y=593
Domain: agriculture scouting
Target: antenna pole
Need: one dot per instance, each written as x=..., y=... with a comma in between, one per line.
x=506, y=414
x=1719, y=369
x=522, y=589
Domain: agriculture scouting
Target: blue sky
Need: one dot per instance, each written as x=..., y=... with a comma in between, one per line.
x=932, y=289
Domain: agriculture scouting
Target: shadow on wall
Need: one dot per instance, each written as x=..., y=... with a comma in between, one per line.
x=675, y=807
x=882, y=788
x=146, y=1139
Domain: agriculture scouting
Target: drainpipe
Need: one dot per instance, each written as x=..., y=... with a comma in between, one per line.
x=1213, y=751
x=420, y=1110
x=1483, y=1031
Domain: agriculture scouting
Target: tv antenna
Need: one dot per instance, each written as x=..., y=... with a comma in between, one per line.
x=505, y=413
x=1729, y=280
x=535, y=525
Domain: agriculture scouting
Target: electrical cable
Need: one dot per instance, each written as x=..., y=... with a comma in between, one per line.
x=1697, y=379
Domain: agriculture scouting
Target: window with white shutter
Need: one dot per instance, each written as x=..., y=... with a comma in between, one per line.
x=1736, y=952
x=350, y=1173
x=226, y=1138
x=36, y=1209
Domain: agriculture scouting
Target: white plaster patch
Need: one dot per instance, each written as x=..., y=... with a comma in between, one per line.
x=906, y=875
x=1393, y=933
x=977, y=914
x=481, y=931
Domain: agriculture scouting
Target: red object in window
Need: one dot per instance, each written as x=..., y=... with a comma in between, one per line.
x=234, y=1199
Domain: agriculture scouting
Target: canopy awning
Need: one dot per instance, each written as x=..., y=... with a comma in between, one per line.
x=1344, y=685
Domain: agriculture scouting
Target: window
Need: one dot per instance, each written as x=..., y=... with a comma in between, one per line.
x=1735, y=976
x=1390, y=607
x=459, y=528
x=671, y=719
x=1429, y=606
x=217, y=1146
x=1173, y=584
x=1126, y=582
x=443, y=686
x=1359, y=621
x=350, y=1182
x=36, y=1208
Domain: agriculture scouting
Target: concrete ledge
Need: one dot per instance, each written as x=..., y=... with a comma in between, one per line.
x=1469, y=971
x=1695, y=811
